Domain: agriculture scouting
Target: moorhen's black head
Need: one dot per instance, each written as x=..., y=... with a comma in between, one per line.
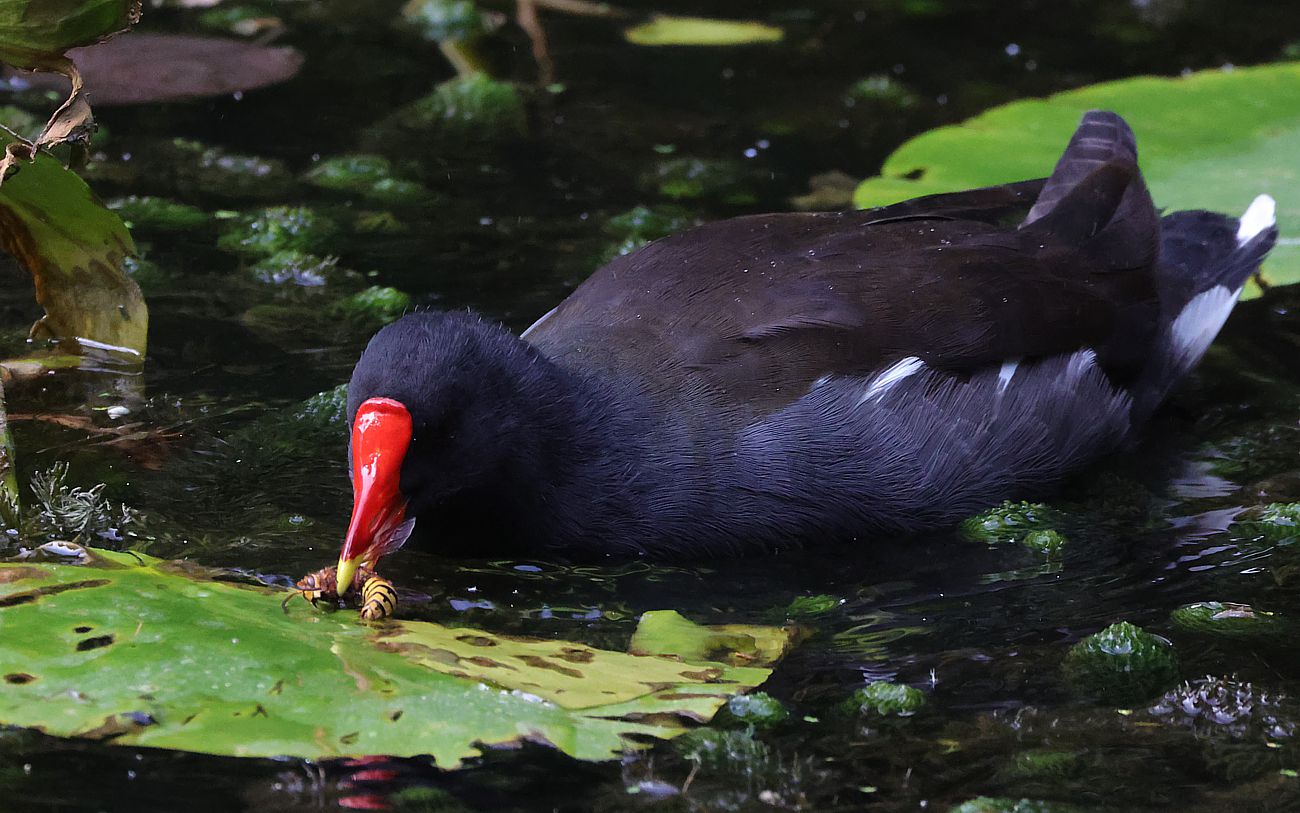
x=434, y=403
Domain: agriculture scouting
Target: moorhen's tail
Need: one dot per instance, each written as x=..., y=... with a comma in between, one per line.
x=1096, y=200
x=1205, y=261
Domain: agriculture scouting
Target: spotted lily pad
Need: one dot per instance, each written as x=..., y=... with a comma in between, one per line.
x=142, y=652
x=1212, y=140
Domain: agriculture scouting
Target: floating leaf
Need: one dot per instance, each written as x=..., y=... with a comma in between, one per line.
x=74, y=248
x=1212, y=140
x=147, y=68
x=142, y=652
x=668, y=30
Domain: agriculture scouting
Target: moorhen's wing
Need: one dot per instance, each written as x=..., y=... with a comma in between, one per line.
x=744, y=315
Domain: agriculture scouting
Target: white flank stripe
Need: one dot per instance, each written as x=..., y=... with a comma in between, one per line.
x=534, y=325
x=893, y=374
x=1006, y=373
x=1260, y=215
x=1199, y=322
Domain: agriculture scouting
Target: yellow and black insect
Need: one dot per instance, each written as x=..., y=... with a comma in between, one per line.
x=378, y=598
x=377, y=595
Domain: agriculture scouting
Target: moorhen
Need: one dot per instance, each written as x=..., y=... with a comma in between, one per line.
x=793, y=378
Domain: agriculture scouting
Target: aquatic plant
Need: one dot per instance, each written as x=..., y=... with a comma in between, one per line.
x=690, y=178
x=1121, y=664
x=445, y=20
x=758, y=709
x=1030, y=524
x=277, y=229
x=374, y=306
x=153, y=213
x=1229, y=621
x=306, y=270
x=887, y=699
x=1274, y=524
x=730, y=751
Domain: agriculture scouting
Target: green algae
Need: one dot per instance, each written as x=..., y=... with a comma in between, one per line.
x=279, y=229
x=887, y=699
x=1121, y=664
x=758, y=709
x=154, y=213
x=1026, y=523
x=376, y=306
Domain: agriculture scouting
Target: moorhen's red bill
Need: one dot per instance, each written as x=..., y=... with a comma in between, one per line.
x=796, y=378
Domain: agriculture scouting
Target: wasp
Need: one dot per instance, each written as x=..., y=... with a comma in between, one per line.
x=378, y=596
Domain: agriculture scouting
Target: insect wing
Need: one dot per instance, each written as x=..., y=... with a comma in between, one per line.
x=396, y=538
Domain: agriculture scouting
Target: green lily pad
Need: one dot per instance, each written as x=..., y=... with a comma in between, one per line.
x=1211, y=140
x=137, y=651
x=669, y=30
x=74, y=248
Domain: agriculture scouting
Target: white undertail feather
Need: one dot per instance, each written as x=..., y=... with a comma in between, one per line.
x=1198, y=323
x=1260, y=215
x=893, y=374
x=1006, y=373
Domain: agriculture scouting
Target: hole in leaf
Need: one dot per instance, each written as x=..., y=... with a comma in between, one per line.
x=82, y=630
x=19, y=678
x=94, y=643
x=914, y=175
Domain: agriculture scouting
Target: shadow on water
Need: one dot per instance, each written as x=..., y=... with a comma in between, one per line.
x=227, y=469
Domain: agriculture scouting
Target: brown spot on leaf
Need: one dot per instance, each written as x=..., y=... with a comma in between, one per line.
x=395, y=715
x=82, y=630
x=118, y=725
x=711, y=675
x=348, y=739
x=19, y=678
x=94, y=643
x=488, y=663
x=574, y=654
x=9, y=575
x=476, y=640
x=51, y=590
x=538, y=662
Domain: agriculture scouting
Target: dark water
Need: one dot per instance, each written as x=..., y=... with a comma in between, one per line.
x=237, y=481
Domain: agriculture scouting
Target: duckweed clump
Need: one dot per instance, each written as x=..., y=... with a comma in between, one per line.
x=1121, y=664
x=468, y=111
x=1227, y=620
x=880, y=89
x=692, y=178
x=445, y=20
x=158, y=214
x=198, y=169
x=375, y=305
x=803, y=606
x=328, y=408
x=757, y=709
x=887, y=699
x=1030, y=524
x=306, y=270
x=280, y=228
x=370, y=176
x=729, y=751
x=1273, y=524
